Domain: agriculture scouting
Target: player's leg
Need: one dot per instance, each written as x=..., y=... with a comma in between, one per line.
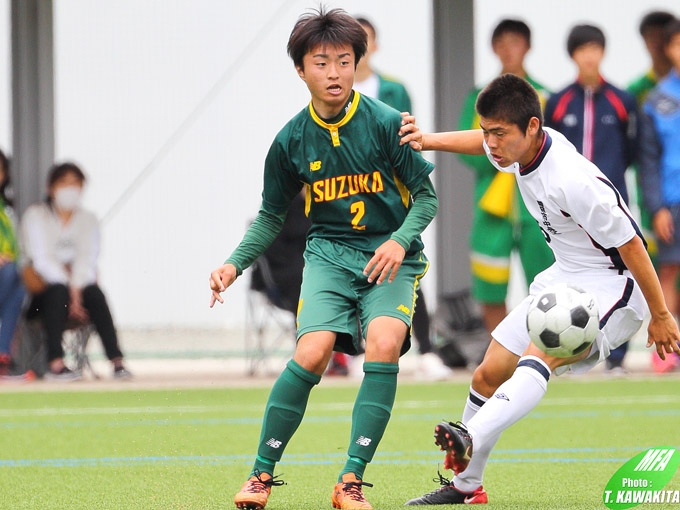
x=496, y=368
x=283, y=414
x=325, y=311
x=372, y=407
x=621, y=308
x=386, y=311
x=668, y=270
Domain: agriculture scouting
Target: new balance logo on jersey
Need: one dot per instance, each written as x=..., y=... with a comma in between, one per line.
x=274, y=443
x=364, y=441
x=403, y=308
x=502, y=396
x=314, y=166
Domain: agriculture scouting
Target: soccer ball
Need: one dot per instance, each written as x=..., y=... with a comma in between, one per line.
x=563, y=321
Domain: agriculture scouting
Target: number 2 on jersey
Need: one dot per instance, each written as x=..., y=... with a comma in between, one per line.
x=358, y=209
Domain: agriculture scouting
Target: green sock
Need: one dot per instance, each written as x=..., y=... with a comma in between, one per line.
x=371, y=413
x=283, y=414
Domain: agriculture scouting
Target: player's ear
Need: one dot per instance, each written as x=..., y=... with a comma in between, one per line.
x=533, y=127
x=301, y=72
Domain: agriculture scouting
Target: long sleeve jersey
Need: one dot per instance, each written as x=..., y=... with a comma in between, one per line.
x=660, y=145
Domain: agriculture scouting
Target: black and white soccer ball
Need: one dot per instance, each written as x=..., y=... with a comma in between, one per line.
x=563, y=320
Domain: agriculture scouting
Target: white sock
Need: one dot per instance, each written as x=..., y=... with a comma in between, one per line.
x=473, y=403
x=513, y=400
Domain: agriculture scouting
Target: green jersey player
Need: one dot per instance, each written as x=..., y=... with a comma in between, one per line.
x=368, y=199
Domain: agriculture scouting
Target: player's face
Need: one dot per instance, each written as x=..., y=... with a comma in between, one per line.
x=587, y=58
x=329, y=74
x=654, y=41
x=511, y=48
x=507, y=143
x=673, y=51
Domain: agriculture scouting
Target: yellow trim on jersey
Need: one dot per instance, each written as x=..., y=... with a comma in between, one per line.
x=416, y=283
x=403, y=191
x=334, y=128
x=308, y=199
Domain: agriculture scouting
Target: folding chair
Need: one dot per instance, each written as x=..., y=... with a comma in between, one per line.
x=270, y=318
x=30, y=348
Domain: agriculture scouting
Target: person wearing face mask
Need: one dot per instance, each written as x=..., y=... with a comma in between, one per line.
x=60, y=246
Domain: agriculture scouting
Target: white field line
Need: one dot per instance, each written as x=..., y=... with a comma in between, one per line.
x=339, y=406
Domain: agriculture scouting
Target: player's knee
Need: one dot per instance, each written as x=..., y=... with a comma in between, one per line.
x=487, y=377
x=383, y=348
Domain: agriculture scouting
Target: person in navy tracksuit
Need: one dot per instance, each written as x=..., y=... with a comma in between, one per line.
x=600, y=119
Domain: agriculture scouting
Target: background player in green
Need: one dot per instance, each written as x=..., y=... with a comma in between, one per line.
x=500, y=222
x=368, y=199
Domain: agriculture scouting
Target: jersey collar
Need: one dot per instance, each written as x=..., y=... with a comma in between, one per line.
x=540, y=155
x=349, y=109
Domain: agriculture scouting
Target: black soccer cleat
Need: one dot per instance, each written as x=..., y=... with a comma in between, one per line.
x=456, y=441
x=449, y=494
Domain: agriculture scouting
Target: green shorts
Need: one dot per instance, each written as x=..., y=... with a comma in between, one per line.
x=335, y=294
x=492, y=240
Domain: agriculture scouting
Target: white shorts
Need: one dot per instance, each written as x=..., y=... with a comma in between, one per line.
x=619, y=300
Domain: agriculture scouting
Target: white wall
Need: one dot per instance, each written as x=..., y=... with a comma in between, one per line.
x=170, y=106
x=5, y=81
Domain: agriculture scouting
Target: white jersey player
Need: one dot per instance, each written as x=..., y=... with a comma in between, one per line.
x=597, y=247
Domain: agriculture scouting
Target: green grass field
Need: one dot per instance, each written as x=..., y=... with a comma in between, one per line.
x=191, y=449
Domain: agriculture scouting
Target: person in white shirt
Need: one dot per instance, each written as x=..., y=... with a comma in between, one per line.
x=60, y=247
x=597, y=246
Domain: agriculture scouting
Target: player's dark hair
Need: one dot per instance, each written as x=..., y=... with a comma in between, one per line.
x=513, y=26
x=60, y=170
x=584, y=34
x=670, y=30
x=366, y=23
x=4, y=163
x=655, y=19
x=510, y=99
x=334, y=28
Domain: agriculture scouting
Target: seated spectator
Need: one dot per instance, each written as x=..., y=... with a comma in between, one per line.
x=60, y=246
x=11, y=289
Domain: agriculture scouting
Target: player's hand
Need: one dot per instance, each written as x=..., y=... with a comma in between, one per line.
x=663, y=332
x=220, y=279
x=410, y=133
x=385, y=263
x=662, y=223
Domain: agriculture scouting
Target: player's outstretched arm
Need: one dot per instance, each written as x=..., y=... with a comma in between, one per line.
x=220, y=279
x=663, y=330
x=460, y=142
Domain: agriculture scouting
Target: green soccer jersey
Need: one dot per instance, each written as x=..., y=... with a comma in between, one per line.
x=357, y=174
x=642, y=85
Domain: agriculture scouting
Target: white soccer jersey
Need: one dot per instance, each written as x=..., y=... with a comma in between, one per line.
x=583, y=219
x=579, y=211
